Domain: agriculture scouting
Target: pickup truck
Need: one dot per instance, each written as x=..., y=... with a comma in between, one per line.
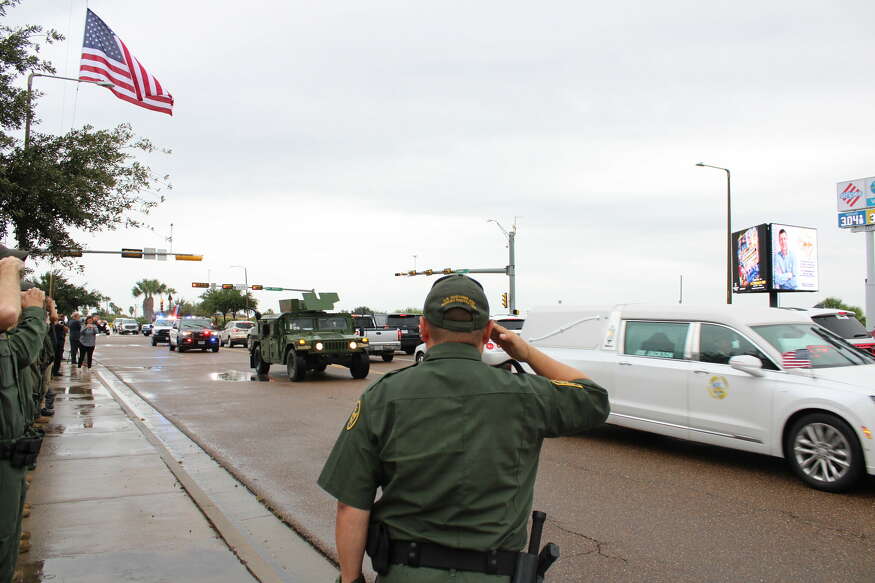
x=409, y=325
x=763, y=380
x=382, y=340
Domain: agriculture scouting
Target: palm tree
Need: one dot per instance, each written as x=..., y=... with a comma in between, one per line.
x=149, y=288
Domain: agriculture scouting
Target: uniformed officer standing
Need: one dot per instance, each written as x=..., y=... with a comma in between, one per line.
x=454, y=446
x=19, y=348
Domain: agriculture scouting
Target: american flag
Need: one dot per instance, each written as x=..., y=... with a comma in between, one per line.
x=106, y=58
x=800, y=358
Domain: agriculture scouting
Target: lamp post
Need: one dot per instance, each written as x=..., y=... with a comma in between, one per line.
x=29, y=116
x=246, y=290
x=728, y=229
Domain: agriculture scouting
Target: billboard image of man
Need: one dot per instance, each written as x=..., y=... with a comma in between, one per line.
x=785, y=266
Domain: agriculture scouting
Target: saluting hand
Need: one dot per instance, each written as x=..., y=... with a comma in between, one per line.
x=33, y=298
x=13, y=263
x=511, y=343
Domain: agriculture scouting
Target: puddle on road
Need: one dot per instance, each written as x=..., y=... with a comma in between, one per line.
x=239, y=376
x=133, y=368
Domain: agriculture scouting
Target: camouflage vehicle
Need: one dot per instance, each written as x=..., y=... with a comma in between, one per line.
x=306, y=337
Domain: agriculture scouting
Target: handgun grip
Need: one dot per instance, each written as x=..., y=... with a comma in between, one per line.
x=549, y=555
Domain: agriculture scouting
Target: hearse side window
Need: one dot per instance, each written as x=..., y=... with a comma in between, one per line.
x=718, y=344
x=656, y=339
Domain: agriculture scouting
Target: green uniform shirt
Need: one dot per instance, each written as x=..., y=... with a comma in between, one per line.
x=454, y=445
x=19, y=349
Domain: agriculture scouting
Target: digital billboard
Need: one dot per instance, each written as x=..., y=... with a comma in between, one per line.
x=750, y=253
x=794, y=258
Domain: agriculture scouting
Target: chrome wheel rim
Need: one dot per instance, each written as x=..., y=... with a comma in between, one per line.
x=822, y=452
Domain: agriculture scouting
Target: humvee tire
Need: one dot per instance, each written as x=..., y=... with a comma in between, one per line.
x=261, y=367
x=360, y=366
x=296, y=366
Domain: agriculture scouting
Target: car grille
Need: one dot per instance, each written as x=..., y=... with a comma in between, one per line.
x=335, y=345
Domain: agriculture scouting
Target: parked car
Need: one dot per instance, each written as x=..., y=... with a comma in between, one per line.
x=844, y=324
x=409, y=326
x=193, y=334
x=146, y=329
x=383, y=341
x=161, y=330
x=235, y=332
x=493, y=354
x=763, y=380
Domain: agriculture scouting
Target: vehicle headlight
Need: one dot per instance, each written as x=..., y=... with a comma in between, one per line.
x=186, y=333
x=319, y=346
x=302, y=341
x=365, y=340
x=353, y=345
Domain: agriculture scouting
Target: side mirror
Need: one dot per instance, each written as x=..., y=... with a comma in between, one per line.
x=746, y=363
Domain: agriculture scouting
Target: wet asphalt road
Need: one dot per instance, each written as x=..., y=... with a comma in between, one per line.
x=623, y=505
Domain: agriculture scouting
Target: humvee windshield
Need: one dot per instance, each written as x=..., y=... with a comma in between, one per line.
x=336, y=323
x=296, y=324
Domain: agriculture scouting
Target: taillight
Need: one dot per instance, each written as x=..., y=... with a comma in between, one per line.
x=399, y=333
x=490, y=346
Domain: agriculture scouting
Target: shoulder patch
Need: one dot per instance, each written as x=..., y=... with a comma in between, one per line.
x=566, y=384
x=356, y=412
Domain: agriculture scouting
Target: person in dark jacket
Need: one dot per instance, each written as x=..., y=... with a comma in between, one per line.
x=59, y=336
x=75, y=328
x=87, y=342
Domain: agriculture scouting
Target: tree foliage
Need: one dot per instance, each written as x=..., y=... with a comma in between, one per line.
x=838, y=304
x=148, y=288
x=84, y=181
x=362, y=310
x=68, y=297
x=226, y=301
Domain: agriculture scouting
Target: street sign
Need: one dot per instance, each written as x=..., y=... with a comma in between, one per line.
x=240, y=286
x=148, y=253
x=162, y=254
x=266, y=288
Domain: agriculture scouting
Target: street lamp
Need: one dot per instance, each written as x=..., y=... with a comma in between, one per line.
x=246, y=290
x=728, y=229
x=29, y=116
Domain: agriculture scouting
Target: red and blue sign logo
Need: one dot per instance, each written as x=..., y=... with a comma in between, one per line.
x=851, y=194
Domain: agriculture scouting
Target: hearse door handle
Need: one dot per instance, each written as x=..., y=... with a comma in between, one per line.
x=700, y=371
x=625, y=363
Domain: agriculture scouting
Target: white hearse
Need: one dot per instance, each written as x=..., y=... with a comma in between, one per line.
x=763, y=380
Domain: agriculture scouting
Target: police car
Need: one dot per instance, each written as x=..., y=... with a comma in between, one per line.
x=193, y=334
x=763, y=380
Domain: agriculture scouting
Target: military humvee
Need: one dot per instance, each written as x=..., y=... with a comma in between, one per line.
x=306, y=337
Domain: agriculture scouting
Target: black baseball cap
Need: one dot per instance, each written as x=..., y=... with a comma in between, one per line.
x=457, y=291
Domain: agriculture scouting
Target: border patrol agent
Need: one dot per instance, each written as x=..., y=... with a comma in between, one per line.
x=19, y=444
x=454, y=446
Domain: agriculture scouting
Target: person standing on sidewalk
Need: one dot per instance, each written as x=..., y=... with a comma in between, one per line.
x=75, y=332
x=59, y=331
x=20, y=345
x=87, y=342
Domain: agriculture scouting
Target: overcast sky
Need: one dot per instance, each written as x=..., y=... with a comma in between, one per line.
x=325, y=144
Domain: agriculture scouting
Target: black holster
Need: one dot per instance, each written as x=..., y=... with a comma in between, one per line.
x=378, y=547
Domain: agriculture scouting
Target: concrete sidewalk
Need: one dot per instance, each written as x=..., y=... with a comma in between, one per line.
x=105, y=506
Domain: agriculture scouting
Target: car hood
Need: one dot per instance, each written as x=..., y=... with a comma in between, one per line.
x=860, y=379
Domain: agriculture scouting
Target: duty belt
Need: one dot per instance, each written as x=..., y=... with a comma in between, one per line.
x=21, y=452
x=420, y=554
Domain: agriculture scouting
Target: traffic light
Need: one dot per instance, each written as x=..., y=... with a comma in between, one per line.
x=199, y=284
x=411, y=272
x=447, y=271
x=132, y=253
x=429, y=271
x=184, y=257
x=504, y=300
x=227, y=286
x=256, y=287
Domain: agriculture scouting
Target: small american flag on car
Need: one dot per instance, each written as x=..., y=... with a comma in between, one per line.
x=800, y=358
x=105, y=58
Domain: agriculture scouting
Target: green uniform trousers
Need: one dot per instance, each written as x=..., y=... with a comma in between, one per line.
x=13, y=487
x=405, y=574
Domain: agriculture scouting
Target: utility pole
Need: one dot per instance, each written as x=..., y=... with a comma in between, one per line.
x=511, y=261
